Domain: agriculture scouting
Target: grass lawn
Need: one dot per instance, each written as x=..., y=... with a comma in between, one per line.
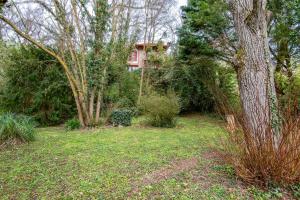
x=123, y=163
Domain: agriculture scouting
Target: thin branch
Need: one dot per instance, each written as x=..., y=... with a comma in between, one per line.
x=39, y=45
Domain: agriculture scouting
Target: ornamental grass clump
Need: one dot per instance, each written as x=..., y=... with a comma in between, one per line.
x=161, y=110
x=267, y=158
x=16, y=129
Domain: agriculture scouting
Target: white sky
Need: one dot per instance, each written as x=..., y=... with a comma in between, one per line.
x=182, y=2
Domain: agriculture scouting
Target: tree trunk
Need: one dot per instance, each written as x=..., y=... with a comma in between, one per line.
x=100, y=96
x=98, y=109
x=80, y=114
x=83, y=105
x=92, y=100
x=78, y=106
x=255, y=72
x=141, y=85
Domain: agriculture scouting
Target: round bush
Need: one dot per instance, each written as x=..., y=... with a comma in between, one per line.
x=72, y=124
x=16, y=129
x=161, y=110
x=121, y=117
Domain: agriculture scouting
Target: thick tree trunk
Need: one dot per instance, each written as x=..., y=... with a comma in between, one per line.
x=78, y=106
x=80, y=114
x=83, y=105
x=255, y=72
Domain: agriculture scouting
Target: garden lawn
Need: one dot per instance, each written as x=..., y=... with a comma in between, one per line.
x=135, y=162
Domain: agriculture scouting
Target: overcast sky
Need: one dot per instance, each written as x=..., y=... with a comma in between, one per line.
x=182, y=2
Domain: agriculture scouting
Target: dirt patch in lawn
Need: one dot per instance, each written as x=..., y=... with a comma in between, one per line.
x=214, y=155
x=207, y=176
x=169, y=171
x=164, y=173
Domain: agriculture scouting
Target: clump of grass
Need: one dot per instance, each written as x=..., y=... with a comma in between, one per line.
x=16, y=129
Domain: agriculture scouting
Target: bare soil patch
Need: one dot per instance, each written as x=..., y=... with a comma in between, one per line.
x=164, y=173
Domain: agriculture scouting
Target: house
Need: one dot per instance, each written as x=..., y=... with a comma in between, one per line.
x=138, y=57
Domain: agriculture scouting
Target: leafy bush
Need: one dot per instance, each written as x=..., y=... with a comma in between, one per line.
x=121, y=117
x=72, y=124
x=289, y=91
x=34, y=84
x=15, y=129
x=125, y=103
x=122, y=87
x=135, y=111
x=202, y=85
x=161, y=110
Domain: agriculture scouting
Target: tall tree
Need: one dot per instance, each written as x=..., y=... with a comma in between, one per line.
x=210, y=24
x=255, y=69
x=236, y=32
x=79, y=32
x=284, y=31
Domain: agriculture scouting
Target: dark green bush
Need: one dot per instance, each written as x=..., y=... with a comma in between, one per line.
x=122, y=87
x=202, y=85
x=15, y=129
x=35, y=85
x=161, y=110
x=121, y=117
x=72, y=124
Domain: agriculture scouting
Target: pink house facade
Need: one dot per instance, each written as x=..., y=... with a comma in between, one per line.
x=138, y=57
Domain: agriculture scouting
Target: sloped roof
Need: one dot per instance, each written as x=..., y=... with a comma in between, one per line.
x=141, y=44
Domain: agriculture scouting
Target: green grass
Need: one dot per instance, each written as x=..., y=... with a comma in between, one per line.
x=110, y=162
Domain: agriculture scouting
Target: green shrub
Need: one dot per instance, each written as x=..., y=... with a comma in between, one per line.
x=36, y=86
x=15, y=129
x=72, y=124
x=125, y=103
x=121, y=117
x=135, y=111
x=161, y=110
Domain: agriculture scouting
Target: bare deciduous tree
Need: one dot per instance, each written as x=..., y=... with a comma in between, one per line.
x=81, y=29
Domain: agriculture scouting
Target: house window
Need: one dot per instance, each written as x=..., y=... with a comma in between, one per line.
x=134, y=56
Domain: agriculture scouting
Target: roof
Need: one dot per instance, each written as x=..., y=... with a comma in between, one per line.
x=142, y=44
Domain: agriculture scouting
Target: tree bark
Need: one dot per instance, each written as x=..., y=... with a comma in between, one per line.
x=143, y=66
x=255, y=72
x=98, y=109
x=92, y=100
